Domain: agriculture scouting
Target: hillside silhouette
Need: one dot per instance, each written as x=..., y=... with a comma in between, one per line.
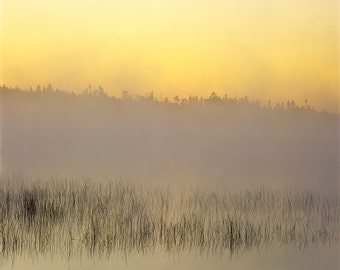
x=226, y=140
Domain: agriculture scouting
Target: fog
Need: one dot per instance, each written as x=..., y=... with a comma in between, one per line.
x=226, y=141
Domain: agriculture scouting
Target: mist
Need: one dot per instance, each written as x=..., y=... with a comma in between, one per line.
x=232, y=142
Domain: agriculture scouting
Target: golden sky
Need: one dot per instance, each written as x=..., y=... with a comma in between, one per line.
x=260, y=48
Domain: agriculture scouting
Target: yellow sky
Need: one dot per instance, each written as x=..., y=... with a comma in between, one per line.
x=260, y=48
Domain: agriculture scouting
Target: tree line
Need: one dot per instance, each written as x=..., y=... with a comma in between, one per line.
x=98, y=93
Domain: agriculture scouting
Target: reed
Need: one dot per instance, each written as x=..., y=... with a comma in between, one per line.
x=57, y=215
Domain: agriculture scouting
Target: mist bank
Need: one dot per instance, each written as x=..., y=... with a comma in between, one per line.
x=227, y=141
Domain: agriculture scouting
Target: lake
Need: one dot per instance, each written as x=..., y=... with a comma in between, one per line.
x=85, y=224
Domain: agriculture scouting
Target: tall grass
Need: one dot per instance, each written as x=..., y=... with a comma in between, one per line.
x=72, y=218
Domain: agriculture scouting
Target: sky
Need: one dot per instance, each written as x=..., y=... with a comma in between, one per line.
x=263, y=49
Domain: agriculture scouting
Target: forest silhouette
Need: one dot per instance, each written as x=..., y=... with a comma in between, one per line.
x=227, y=140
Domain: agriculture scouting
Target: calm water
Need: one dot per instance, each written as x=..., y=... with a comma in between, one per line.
x=277, y=258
